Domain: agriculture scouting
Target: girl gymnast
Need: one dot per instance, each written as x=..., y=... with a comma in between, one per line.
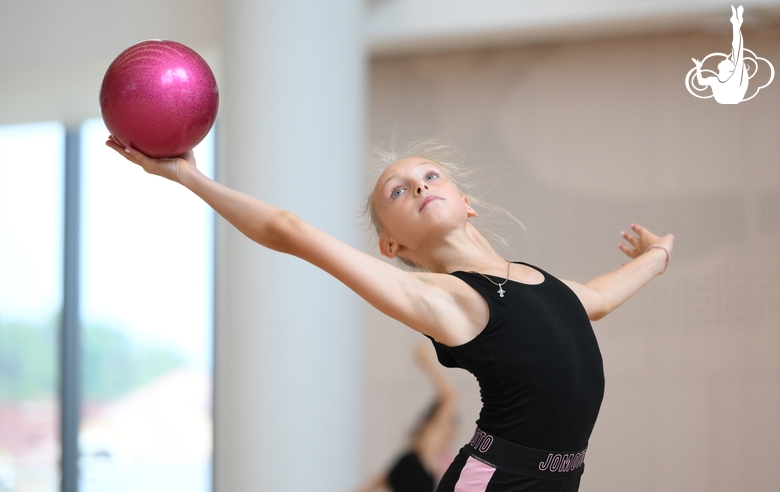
x=524, y=334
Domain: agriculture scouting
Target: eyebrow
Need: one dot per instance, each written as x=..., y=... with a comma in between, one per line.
x=384, y=183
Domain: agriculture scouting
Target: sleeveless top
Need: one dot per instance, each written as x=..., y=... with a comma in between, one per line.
x=537, y=362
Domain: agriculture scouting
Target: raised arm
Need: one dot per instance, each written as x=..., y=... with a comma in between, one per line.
x=422, y=301
x=650, y=256
x=701, y=80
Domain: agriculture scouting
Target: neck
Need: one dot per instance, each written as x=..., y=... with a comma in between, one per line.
x=463, y=250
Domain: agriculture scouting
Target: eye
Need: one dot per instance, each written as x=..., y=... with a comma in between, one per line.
x=396, y=193
x=431, y=175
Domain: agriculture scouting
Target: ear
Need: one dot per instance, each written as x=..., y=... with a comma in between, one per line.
x=388, y=247
x=470, y=212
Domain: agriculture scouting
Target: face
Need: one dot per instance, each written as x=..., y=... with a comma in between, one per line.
x=415, y=202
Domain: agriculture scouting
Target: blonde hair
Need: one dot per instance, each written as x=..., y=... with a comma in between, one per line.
x=450, y=162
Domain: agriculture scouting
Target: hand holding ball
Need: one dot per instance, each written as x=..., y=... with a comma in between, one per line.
x=159, y=97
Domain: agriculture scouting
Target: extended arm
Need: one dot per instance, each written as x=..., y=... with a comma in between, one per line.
x=422, y=301
x=650, y=257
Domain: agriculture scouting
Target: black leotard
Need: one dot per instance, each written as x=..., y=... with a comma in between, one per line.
x=537, y=362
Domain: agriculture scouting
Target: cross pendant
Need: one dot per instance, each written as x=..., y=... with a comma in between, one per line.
x=501, y=291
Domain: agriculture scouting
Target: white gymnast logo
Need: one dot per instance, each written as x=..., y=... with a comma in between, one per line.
x=730, y=84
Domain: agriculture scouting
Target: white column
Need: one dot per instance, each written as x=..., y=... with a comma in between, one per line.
x=288, y=385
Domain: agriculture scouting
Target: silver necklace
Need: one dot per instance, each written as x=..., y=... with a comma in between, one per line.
x=500, y=291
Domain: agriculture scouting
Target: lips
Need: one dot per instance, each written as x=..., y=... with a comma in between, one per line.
x=428, y=199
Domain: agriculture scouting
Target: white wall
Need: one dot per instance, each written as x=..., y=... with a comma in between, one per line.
x=413, y=26
x=53, y=54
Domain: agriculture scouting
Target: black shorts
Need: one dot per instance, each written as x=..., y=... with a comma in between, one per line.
x=491, y=464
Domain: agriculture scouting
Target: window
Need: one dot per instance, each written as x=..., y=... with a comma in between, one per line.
x=147, y=310
x=31, y=246
x=146, y=317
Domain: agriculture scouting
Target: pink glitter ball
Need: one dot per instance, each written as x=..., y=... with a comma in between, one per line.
x=159, y=97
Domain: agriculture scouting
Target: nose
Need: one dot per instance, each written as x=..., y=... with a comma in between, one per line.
x=422, y=185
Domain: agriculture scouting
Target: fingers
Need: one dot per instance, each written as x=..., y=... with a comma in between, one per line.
x=633, y=240
x=640, y=231
x=147, y=163
x=114, y=143
x=630, y=252
x=169, y=168
x=129, y=152
x=637, y=243
x=125, y=152
x=139, y=158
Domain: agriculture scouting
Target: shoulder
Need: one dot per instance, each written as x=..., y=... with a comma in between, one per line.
x=458, y=312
